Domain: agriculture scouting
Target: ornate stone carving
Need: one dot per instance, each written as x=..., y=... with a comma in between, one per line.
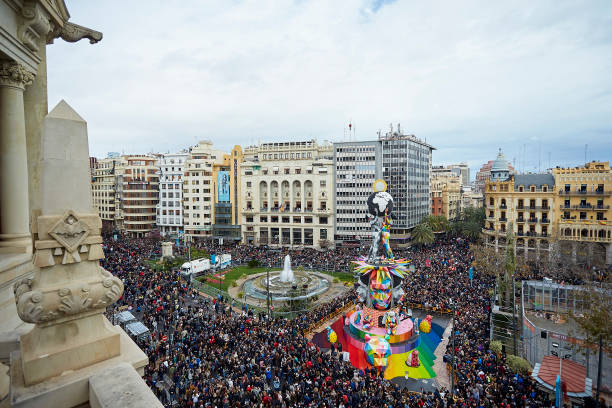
x=69, y=231
x=15, y=75
x=71, y=32
x=35, y=25
x=37, y=304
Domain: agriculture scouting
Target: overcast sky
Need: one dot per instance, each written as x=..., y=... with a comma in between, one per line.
x=469, y=77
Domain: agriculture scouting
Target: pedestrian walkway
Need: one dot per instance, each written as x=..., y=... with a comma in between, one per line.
x=442, y=375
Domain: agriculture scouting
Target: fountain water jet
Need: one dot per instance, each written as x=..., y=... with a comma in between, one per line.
x=287, y=274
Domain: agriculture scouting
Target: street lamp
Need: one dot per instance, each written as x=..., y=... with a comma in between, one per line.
x=453, y=355
x=268, y=288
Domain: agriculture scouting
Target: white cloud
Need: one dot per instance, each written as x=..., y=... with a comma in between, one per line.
x=468, y=76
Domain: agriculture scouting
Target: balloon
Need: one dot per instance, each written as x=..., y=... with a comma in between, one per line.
x=332, y=337
x=425, y=326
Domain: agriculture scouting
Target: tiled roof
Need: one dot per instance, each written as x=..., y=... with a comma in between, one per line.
x=572, y=374
x=537, y=180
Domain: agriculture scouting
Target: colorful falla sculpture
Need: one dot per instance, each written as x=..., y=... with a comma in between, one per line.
x=382, y=327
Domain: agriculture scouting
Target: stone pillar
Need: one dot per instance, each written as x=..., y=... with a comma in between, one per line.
x=14, y=203
x=574, y=255
x=70, y=291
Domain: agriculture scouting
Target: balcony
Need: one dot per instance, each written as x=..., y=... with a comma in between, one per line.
x=504, y=219
x=545, y=221
x=596, y=192
x=520, y=219
x=263, y=209
x=533, y=220
x=586, y=207
x=503, y=206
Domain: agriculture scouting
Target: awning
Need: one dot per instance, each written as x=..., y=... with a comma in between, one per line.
x=136, y=329
x=572, y=374
x=124, y=317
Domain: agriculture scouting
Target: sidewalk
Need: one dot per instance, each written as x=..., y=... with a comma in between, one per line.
x=442, y=375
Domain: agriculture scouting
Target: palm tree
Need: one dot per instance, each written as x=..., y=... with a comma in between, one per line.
x=437, y=223
x=422, y=234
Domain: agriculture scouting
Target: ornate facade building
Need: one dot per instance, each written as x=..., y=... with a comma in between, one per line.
x=522, y=204
x=288, y=194
x=485, y=172
x=55, y=342
x=584, y=196
x=563, y=213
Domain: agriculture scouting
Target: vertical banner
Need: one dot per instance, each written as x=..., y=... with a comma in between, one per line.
x=223, y=188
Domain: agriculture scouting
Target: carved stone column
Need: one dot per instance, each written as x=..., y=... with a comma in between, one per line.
x=70, y=290
x=14, y=218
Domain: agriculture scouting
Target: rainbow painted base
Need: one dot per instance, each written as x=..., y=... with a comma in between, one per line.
x=403, y=344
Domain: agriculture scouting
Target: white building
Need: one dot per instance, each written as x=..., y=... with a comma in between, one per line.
x=403, y=161
x=288, y=194
x=170, y=207
x=356, y=169
x=198, y=190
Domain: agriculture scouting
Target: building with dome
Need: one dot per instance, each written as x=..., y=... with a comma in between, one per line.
x=485, y=172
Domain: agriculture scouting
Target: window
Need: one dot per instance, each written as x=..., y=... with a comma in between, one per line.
x=322, y=220
x=248, y=184
x=322, y=183
x=263, y=219
x=323, y=234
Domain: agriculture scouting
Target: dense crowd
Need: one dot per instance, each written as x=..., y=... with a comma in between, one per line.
x=218, y=356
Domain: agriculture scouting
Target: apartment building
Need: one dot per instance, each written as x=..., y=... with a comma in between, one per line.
x=140, y=194
x=524, y=204
x=584, y=217
x=198, y=190
x=565, y=213
x=104, y=190
x=227, y=196
x=287, y=190
x=446, y=194
x=170, y=205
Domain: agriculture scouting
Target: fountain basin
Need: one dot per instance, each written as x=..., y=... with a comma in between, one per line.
x=307, y=284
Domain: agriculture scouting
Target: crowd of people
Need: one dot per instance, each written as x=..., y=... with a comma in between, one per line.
x=219, y=356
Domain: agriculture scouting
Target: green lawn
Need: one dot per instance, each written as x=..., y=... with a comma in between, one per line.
x=237, y=272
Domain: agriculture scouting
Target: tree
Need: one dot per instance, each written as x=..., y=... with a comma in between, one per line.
x=422, y=234
x=595, y=319
x=437, y=223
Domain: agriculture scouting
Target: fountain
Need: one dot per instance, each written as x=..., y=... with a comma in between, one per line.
x=286, y=284
x=287, y=274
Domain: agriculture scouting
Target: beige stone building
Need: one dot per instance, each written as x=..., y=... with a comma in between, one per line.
x=584, y=197
x=140, y=193
x=445, y=190
x=107, y=175
x=524, y=204
x=287, y=194
x=198, y=190
x=563, y=215
x=56, y=347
